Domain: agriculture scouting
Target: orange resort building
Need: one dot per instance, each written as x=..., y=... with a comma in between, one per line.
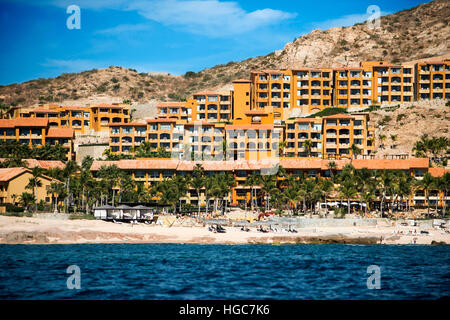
x=83, y=120
x=252, y=136
x=373, y=83
x=36, y=133
x=148, y=172
x=298, y=92
x=14, y=181
x=432, y=80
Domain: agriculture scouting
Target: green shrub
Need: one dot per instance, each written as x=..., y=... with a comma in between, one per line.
x=81, y=217
x=17, y=214
x=12, y=208
x=328, y=112
x=400, y=117
x=190, y=75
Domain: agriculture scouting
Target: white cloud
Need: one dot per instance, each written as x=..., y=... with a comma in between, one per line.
x=74, y=65
x=212, y=18
x=123, y=28
x=345, y=21
x=208, y=17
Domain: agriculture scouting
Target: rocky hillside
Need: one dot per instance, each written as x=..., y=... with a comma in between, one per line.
x=420, y=32
x=397, y=128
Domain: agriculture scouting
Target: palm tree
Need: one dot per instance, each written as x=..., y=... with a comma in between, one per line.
x=443, y=185
x=355, y=150
x=426, y=184
x=55, y=189
x=307, y=144
x=382, y=138
x=383, y=183
x=348, y=190
x=268, y=185
x=327, y=188
x=252, y=181
x=87, y=163
x=181, y=186
x=4, y=110
x=229, y=182
x=198, y=182
x=70, y=169
x=393, y=139
x=281, y=147
x=367, y=197
x=111, y=176
x=26, y=199
x=34, y=182
x=332, y=166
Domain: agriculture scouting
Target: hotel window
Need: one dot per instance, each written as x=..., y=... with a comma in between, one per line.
x=140, y=131
x=139, y=175
x=167, y=174
x=166, y=127
x=419, y=173
x=303, y=126
x=154, y=174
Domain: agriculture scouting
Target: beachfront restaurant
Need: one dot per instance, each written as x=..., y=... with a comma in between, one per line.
x=123, y=213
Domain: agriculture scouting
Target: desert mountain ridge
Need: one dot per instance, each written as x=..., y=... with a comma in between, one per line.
x=421, y=32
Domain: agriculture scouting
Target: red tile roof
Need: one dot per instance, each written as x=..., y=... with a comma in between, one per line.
x=287, y=163
x=60, y=133
x=7, y=123
x=137, y=164
x=391, y=164
x=23, y=122
x=438, y=172
x=7, y=174
x=44, y=164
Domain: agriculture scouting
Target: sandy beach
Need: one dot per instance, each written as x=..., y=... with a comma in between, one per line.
x=14, y=230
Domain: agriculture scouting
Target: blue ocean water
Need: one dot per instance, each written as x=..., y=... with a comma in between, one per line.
x=178, y=271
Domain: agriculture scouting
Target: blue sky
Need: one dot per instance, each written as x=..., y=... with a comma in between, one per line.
x=160, y=35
